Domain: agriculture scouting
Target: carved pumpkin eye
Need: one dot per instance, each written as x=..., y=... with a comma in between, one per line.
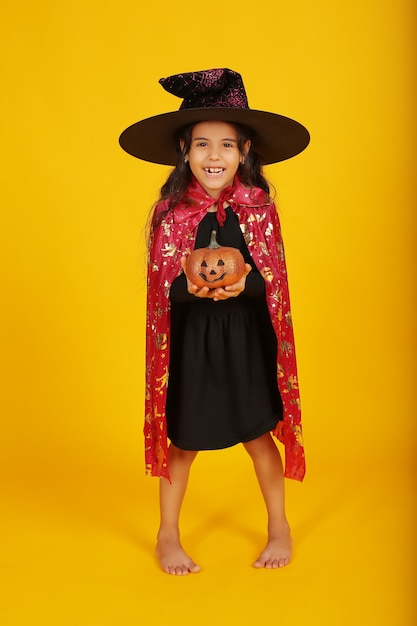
x=220, y=262
x=204, y=264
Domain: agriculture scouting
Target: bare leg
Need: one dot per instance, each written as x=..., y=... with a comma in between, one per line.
x=170, y=553
x=268, y=468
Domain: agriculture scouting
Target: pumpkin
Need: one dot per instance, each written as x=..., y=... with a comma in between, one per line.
x=215, y=266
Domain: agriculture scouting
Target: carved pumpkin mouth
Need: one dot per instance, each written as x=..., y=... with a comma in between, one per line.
x=215, y=280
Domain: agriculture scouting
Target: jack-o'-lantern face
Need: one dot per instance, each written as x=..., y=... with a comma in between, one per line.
x=215, y=266
x=212, y=270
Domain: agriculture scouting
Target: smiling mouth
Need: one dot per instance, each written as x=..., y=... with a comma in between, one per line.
x=215, y=280
x=214, y=171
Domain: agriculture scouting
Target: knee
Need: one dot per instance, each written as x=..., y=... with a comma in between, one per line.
x=259, y=448
x=185, y=457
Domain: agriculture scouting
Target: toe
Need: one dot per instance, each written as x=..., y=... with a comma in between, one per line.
x=261, y=561
x=269, y=562
x=194, y=568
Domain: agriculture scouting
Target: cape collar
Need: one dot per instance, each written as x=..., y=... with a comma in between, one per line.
x=196, y=200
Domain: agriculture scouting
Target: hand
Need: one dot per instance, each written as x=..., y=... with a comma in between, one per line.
x=221, y=293
x=231, y=291
x=199, y=292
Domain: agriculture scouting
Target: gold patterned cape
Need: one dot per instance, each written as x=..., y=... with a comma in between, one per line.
x=172, y=236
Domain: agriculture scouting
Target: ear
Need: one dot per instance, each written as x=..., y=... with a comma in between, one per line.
x=182, y=146
x=245, y=150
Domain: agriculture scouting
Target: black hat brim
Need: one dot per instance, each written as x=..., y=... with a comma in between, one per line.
x=276, y=137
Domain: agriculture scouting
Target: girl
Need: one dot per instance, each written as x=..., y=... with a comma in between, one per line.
x=229, y=351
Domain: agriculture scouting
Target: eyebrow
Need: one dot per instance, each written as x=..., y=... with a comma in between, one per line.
x=206, y=139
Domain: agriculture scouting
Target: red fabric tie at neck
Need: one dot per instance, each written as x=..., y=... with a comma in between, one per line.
x=225, y=195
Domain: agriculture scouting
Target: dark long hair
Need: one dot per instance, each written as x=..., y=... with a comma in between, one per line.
x=249, y=172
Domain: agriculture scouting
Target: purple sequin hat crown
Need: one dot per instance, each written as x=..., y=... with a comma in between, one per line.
x=209, y=88
x=216, y=94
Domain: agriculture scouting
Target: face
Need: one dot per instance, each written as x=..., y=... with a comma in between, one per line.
x=214, y=155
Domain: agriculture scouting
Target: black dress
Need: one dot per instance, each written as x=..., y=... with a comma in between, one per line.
x=222, y=386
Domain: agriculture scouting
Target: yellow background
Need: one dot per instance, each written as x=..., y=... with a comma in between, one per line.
x=78, y=516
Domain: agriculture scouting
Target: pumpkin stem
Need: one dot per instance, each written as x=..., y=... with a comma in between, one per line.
x=213, y=242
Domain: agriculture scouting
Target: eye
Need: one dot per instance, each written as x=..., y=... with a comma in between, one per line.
x=201, y=144
x=228, y=145
x=220, y=262
x=204, y=264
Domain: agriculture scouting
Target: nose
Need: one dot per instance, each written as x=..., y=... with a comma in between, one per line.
x=214, y=154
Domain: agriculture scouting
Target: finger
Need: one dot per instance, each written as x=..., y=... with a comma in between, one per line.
x=221, y=294
x=201, y=292
x=234, y=290
x=183, y=261
x=240, y=285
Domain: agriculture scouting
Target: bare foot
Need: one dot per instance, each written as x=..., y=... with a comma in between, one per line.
x=277, y=552
x=173, y=559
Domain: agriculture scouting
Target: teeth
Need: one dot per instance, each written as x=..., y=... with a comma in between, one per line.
x=214, y=170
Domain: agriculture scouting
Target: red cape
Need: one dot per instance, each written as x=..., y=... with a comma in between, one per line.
x=174, y=237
